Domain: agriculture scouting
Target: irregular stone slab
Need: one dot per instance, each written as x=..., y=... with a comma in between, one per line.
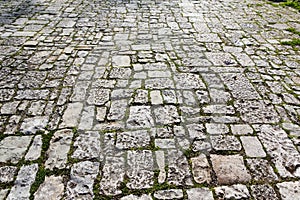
x=201, y=169
x=230, y=169
x=240, y=86
x=165, y=143
x=232, y=192
x=120, y=73
x=140, y=117
x=120, y=61
x=169, y=194
x=37, y=107
x=32, y=94
x=219, y=109
x=261, y=170
x=140, y=169
x=87, y=145
x=133, y=139
x=219, y=96
x=6, y=94
x=199, y=194
x=217, y=129
x=289, y=190
x=112, y=176
x=51, y=188
x=7, y=173
x=252, y=146
x=134, y=197
x=25, y=178
x=281, y=149
x=58, y=150
x=169, y=96
x=82, y=179
x=141, y=96
x=159, y=83
x=221, y=59
x=101, y=113
x=3, y=193
x=79, y=91
x=241, y=129
x=71, y=115
x=118, y=94
x=263, y=192
x=66, y=24
x=98, y=96
x=256, y=111
x=10, y=107
x=34, y=124
x=34, y=151
x=117, y=109
x=188, y=81
x=87, y=118
x=178, y=171
x=160, y=160
x=225, y=143
x=166, y=115
x=13, y=148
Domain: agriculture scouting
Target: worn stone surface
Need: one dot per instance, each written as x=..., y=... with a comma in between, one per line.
x=81, y=182
x=232, y=192
x=201, y=169
x=230, y=169
x=194, y=94
x=59, y=148
x=169, y=194
x=24, y=180
x=51, y=188
x=13, y=148
x=289, y=190
x=7, y=173
x=199, y=194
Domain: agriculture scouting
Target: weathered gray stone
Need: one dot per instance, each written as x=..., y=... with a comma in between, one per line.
x=7, y=173
x=261, y=170
x=156, y=98
x=25, y=178
x=52, y=188
x=263, y=192
x=217, y=129
x=140, y=117
x=169, y=194
x=71, y=115
x=82, y=179
x=140, y=171
x=134, y=197
x=10, y=107
x=201, y=169
x=166, y=115
x=289, y=190
x=159, y=83
x=34, y=151
x=121, y=61
x=256, y=111
x=34, y=124
x=178, y=171
x=232, y=192
x=252, y=146
x=225, y=143
x=87, y=145
x=120, y=73
x=112, y=176
x=3, y=193
x=141, y=96
x=100, y=113
x=188, y=81
x=281, y=149
x=6, y=94
x=241, y=129
x=199, y=194
x=133, y=139
x=165, y=143
x=160, y=160
x=58, y=150
x=230, y=169
x=98, y=96
x=117, y=109
x=87, y=118
x=13, y=148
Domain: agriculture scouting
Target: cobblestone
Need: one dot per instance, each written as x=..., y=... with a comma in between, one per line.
x=174, y=99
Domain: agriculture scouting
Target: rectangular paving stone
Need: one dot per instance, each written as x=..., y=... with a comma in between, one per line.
x=201, y=169
x=51, y=188
x=252, y=146
x=13, y=148
x=140, y=117
x=230, y=169
x=25, y=178
x=71, y=115
x=140, y=169
x=199, y=194
x=117, y=109
x=58, y=149
x=133, y=139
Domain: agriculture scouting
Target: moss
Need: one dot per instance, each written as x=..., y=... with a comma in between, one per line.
x=39, y=179
x=293, y=4
x=293, y=42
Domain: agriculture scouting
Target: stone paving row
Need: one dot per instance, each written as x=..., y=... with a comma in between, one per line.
x=128, y=99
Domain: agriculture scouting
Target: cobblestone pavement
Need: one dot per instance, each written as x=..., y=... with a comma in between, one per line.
x=160, y=99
